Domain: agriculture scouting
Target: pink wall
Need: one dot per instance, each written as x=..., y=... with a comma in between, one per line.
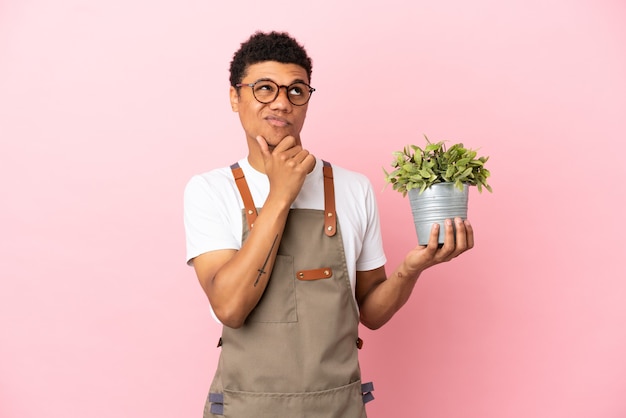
x=107, y=108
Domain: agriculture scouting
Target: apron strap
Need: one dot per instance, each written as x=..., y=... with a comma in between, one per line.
x=244, y=191
x=367, y=389
x=217, y=403
x=330, y=216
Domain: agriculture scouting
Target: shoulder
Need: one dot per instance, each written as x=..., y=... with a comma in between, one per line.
x=346, y=173
x=210, y=178
x=218, y=182
x=351, y=182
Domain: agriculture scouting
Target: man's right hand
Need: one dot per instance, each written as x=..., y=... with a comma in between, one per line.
x=286, y=166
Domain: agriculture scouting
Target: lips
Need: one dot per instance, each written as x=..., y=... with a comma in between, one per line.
x=277, y=121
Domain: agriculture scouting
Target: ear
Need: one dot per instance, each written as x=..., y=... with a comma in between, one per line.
x=234, y=99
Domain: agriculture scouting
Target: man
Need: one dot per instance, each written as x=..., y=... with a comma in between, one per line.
x=288, y=250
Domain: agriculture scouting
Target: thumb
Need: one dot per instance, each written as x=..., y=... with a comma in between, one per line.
x=265, y=150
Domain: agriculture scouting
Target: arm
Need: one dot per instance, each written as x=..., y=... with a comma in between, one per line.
x=379, y=297
x=234, y=281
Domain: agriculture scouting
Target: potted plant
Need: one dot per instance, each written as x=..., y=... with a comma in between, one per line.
x=436, y=178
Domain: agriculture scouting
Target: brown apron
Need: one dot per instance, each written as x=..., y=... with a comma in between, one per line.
x=296, y=355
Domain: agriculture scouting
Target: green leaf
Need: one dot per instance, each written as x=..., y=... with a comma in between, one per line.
x=463, y=162
x=425, y=173
x=466, y=173
x=416, y=167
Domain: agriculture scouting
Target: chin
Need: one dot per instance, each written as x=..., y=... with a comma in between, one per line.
x=274, y=138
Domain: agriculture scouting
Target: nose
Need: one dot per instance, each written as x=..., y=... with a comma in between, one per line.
x=282, y=100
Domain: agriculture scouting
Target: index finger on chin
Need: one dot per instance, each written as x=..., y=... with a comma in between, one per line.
x=285, y=143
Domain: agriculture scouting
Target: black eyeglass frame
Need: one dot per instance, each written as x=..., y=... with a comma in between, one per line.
x=251, y=85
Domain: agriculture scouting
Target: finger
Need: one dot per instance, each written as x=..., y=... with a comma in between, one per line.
x=433, y=240
x=265, y=150
x=448, y=238
x=470, y=234
x=301, y=156
x=286, y=143
x=461, y=236
x=309, y=162
x=288, y=149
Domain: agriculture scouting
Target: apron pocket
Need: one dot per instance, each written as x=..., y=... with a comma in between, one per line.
x=278, y=303
x=342, y=402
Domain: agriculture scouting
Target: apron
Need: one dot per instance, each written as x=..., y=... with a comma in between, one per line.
x=297, y=353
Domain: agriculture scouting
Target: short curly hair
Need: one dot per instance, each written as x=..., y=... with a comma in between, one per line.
x=272, y=46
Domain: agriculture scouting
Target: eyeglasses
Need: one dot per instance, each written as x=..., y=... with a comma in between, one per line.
x=266, y=91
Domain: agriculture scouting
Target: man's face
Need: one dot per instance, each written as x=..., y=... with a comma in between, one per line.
x=274, y=120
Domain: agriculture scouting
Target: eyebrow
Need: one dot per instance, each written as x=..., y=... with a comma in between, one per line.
x=293, y=82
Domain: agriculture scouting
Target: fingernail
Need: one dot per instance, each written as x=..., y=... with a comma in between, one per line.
x=448, y=221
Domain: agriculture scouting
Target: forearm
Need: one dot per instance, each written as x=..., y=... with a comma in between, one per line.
x=239, y=284
x=386, y=298
x=380, y=298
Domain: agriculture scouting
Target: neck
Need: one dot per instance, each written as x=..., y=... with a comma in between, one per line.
x=256, y=162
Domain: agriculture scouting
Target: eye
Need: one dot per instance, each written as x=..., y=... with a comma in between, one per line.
x=297, y=89
x=265, y=87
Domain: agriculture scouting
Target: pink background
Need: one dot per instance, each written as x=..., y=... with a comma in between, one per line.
x=108, y=107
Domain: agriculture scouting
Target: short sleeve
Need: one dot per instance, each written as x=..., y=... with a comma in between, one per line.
x=372, y=253
x=208, y=216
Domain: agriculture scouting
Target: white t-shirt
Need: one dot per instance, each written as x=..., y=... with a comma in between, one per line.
x=213, y=212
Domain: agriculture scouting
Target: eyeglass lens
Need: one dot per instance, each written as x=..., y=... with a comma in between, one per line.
x=266, y=91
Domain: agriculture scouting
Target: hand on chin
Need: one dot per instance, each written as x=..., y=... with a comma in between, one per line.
x=274, y=138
